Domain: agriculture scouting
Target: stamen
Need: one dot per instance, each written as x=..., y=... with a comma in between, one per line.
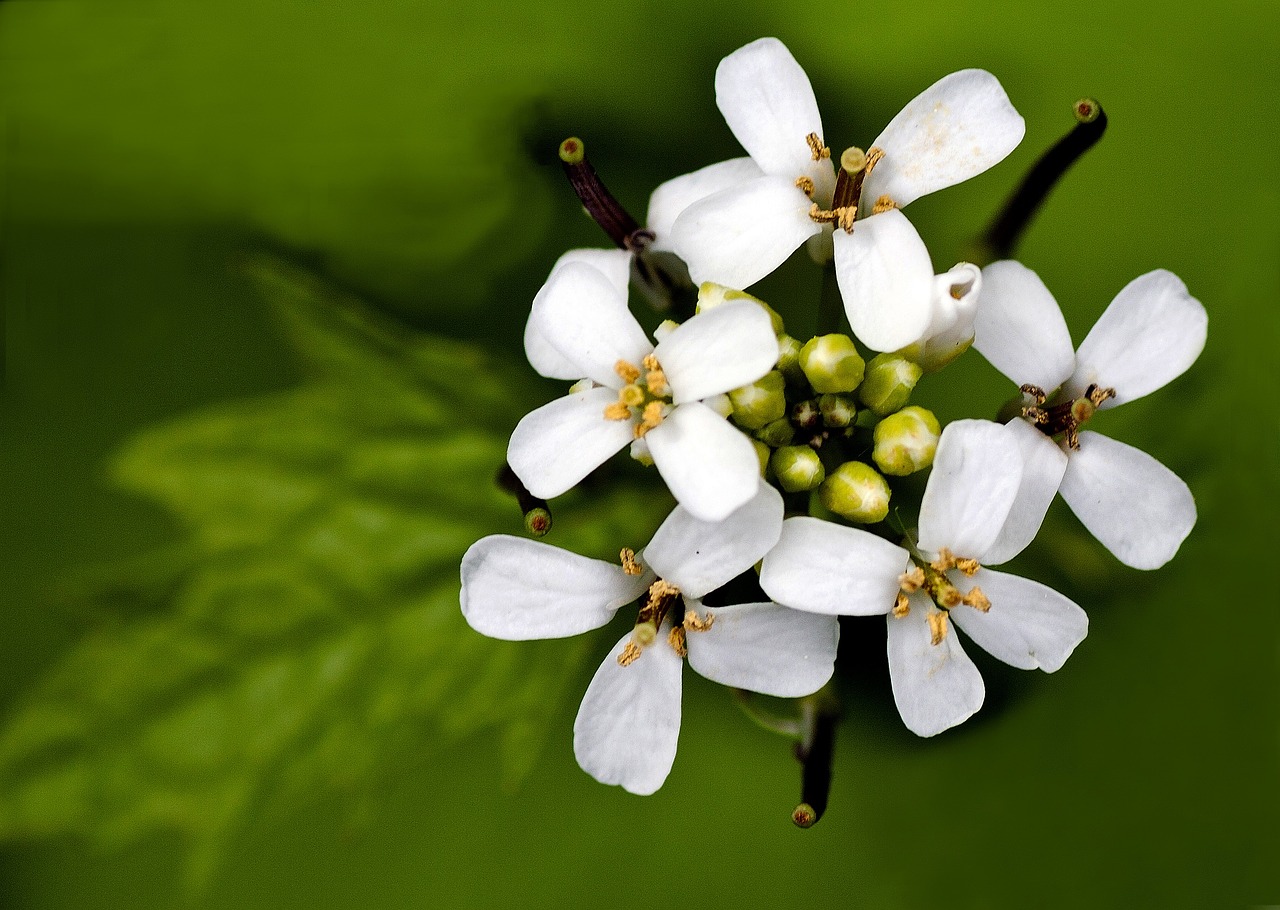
x=630, y=564
x=695, y=623
x=617, y=411
x=676, y=639
x=1097, y=396
x=976, y=599
x=816, y=148
x=911, y=581
x=874, y=154
x=901, y=605
x=628, y=655
x=651, y=362
x=938, y=627
x=969, y=567
x=649, y=418
x=945, y=561
x=805, y=185
x=1036, y=393
x=656, y=381
x=883, y=204
x=627, y=372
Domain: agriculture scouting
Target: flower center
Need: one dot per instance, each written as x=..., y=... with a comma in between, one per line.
x=855, y=165
x=1066, y=417
x=662, y=599
x=646, y=397
x=931, y=577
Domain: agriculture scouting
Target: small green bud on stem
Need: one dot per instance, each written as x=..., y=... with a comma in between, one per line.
x=905, y=442
x=832, y=363
x=797, y=468
x=837, y=411
x=889, y=382
x=856, y=491
x=760, y=403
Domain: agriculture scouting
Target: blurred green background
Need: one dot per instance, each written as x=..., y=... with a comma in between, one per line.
x=241, y=453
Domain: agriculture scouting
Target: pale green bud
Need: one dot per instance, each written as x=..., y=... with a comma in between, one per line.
x=906, y=441
x=856, y=491
x=712, y=295
x=797, y=468
x=762, y=452
x=888, y=383
x=789, y=360
x=832, y=363
x=837, y=410
x=778, y=433
x=760, y=403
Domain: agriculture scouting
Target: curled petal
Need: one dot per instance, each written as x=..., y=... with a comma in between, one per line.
x=1149, y=335
x=1019, y=327
x=700, y=556
x=823, y=567
x=1139, y=509
x=766, y=648
x=886, y=281
x=718, y=350
x=976, y=475
x=953, y=130
x=710, y=467
x=737, y=236
x=935, y=686
x=543, y=356
x=519, y=589
x=1043, y=464
x=555, y=446
x=626, y=729
x=1029, y=626
x=677, y=194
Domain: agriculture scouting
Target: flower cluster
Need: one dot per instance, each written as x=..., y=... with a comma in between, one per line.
x=784, y=456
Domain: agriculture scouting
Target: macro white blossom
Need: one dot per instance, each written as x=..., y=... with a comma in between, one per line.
x=832, y=569
x=580, y=328
x=1149, y=335
x=627, y=727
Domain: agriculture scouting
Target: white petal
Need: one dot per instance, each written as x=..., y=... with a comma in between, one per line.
x=518, y=589
x=956, y=293
x=583, y=316
x=1139, y=509
x=766, y=648
x=710, y=467
x=886, y=281
x=1149, y=335
x=718, y=350
x=1019, y=327
x=627, y=727
x=543, y=356
x=768, y=103
x=976, y=475
x=934, y=686
x=563, y=441
x=737, y=236
x=953, y=130
x=1029, y=625
x=676, y=195
x=824, y=567
x=1043, y=463
x=700, y=556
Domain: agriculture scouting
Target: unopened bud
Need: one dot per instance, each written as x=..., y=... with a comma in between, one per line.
x=832, y=364
x=762, y=453
x=721, y=404
x=805, y=414
x=798, y=468
x=789, y=360
x=856, y=491
x=760, y=403
x=712, y=295
x=665, y=328
x=837, y=410
x=905, y=442
x=778, y=433
x=888, y=383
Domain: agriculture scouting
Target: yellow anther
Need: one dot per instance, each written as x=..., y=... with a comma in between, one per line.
x=845, y=217
x=630, y=564
x=874, y=154
x=911, y=581
x=679, y=644
x=816, y=148
x=627, y=372
x=651, y=362
x=1037, y=394
x=976, y=599
x=945, y=561
x=660, y=589
x=657, y=383
x=649, y=418
x=617, y=411
x=1097, y=396
x=805, y=185
x=901, y=606
x=628, y=655
x=937, y=627
x=695, y=623
x=969, y=567
x=631, y=395
x=883, y=204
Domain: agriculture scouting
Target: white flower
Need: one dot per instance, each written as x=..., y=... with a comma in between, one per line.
x=580, y=328
x=737, y=221
x=1149, y=335
x=827, y=568
x=626, y=730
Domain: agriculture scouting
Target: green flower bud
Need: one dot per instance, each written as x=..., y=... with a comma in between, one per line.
x=832, y=363
x=906, y=441
x=778, y=433
x=789, y=360
x=762, y=452
x=712, y=295
x=857, y=492
x=837, y=410
x=888, y=383
x=760, y=403
x=797, y=468
x=805, y=414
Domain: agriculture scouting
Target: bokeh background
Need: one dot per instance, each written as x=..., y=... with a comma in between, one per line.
x=241, y=453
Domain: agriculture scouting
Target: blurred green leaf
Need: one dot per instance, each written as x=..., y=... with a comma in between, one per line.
x=308, y=636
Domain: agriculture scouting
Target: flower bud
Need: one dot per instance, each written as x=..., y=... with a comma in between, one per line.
x=712, y=295
x=837, y=410
x=856, y=491
x=762, y=453
x=832, y=363
x=805, y=414
x=905, y=442
x=797, y=468
x=761, y=402
x=778, y=433
x=789, y=360
x=888, y=383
